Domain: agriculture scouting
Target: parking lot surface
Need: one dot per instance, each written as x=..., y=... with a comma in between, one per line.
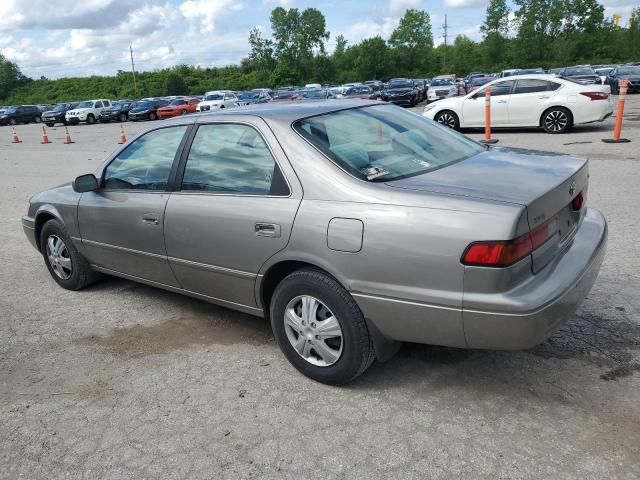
x=126, y=381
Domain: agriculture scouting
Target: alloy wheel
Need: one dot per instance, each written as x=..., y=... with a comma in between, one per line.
x=313, y=331
x=556, y=120
x=447, y=120
x=59, y=257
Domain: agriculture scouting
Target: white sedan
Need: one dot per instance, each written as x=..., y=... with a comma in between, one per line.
x=546, y=101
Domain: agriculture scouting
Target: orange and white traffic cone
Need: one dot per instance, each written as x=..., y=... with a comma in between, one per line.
x=123, y=137
x=487, y=117
x=617, y=130
x=67, y=138
x=15, y=138
x=45, y=137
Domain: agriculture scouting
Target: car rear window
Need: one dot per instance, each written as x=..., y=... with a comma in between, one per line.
x=382, y=143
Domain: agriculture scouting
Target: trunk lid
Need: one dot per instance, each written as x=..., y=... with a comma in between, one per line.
x=543, y=182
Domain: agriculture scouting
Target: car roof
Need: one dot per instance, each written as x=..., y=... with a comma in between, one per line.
x=287, y=112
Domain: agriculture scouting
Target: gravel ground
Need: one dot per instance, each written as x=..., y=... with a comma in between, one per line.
x=126, y=381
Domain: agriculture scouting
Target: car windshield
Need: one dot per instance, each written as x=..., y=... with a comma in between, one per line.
x=480, y=80
x=246, y=95
x=61, y=107
x=283, y=95
x=9, y=109
x=178, y=102
x=317, y=94
x=399, y=84
x=357, y=91
x=214, y=96
x=579, y=71
x=441, y=82
x=629, y=71
x=85, y=105
x=383, y=143
x=147, y=104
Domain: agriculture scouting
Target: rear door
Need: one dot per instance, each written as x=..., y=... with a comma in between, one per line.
x=529, y=99
x=235, y=208
x=121, y=224
x=473, y=106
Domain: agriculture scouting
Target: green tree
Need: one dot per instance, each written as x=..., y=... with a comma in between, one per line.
x=495, y=31
x=174, y=84
x=10, y=77
x=296, y=35
x=261, y=54
x=412, y=41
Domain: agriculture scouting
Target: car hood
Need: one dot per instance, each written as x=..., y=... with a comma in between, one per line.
x=79, y=110
x=211, y=102
x=629, y=77
x=497, y=174
x=442, y=87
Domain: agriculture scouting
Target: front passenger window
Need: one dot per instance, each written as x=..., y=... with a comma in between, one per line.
x=498, y=89
x=146, y=163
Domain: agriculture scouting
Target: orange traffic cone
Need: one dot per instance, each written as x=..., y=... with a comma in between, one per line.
x=67, y=138
x=45, y=137
x=123, y=137
x=15, y=138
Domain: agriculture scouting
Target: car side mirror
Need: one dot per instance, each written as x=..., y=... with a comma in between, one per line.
x=85, y=183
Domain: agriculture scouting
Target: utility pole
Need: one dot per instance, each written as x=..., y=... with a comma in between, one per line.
x=444, y=52
x=133, y=69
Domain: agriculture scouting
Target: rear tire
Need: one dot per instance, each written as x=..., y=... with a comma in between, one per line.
x=448, y=119
x=122, y=117
x=37, y=119
x=556, y=120
x=66, y=265
x=344, y=346
x=152, y=116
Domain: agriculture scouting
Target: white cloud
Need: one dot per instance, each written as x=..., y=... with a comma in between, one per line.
x=398, y=7
x=465, y=3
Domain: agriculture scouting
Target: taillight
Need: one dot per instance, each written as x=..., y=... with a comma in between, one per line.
x=595, y=95
x=505, y=253
x=577, y=202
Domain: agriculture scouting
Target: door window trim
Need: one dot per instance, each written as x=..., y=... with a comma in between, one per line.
x=177, y=185
x=172, y=170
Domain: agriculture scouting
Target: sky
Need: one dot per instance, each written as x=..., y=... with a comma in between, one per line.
x=62, y=38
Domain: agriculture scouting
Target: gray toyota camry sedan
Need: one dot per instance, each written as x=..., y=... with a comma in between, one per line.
x=352, y=226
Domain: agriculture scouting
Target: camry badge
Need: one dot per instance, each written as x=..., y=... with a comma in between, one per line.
x=572, y=188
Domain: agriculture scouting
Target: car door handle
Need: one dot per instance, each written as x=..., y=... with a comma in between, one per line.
x=267, y=229
x=150, y=218
x=542, y=97
x=502, y=101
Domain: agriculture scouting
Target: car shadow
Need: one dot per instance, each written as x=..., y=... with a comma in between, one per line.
x=610, y=344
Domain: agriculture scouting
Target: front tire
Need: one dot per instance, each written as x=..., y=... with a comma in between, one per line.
x=91, y=119
x=66, y=265
x=556, y=120
x=37, y=119
x=152, y=116
x=122, y=118
x=320, y=328
x=448, y=119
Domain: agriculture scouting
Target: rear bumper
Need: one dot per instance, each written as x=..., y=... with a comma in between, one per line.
x=528, y=316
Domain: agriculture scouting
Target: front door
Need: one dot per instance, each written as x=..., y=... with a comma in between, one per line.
x=235, y=209
x=473, y=107
x=121, y=224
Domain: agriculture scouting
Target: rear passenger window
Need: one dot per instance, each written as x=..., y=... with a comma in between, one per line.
x=232, y=158
x=531, y=86
x=554, y=86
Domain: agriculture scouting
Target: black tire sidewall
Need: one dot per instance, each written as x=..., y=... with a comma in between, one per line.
x=456, y=124
x=80, y=268
x=122, y=117
x=329, y=292
x=91, y=119
x=152, y=116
